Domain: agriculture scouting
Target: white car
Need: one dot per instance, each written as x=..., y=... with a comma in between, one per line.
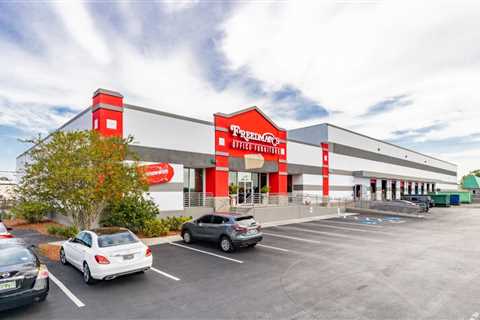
x=4, y=231
x=106, y=253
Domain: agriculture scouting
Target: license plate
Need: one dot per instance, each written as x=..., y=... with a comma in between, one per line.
x=8, y=285
x=128, y=257
x=251, y=232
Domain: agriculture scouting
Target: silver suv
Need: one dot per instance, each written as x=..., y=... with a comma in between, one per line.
x=228, y=230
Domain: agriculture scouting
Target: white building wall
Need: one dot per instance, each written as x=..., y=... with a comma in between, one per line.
x=342, y=162
x=164, y=132
x=299, y=153
x=82, y=122
x=345, y=137
x=168, y=200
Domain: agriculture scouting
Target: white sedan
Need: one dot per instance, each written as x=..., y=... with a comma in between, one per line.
x=106, y=253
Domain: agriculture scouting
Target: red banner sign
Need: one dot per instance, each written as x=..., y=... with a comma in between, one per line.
x=158, y=173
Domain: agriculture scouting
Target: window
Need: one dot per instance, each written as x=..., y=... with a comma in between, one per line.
x=87, y=239
x=16, y=255
x=111, y=124
x=116, y=239
x=205, y=219
x=192, y=180
x=219, y=220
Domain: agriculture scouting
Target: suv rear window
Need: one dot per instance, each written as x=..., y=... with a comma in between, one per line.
x=116, y=239
x=15, y=255
x=246, y=221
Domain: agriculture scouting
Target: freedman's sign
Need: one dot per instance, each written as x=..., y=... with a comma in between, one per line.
x=158, y=173
x=268, y=138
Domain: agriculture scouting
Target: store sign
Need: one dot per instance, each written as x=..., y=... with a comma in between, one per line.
x=158, y=173
x=266, y=137
x=271, y=141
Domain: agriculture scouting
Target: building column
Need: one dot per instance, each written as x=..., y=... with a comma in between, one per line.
x=389, y=190
x=379, y=189
x=107, y=113
x=217, y=177
x=325, y=171
x=397, y=189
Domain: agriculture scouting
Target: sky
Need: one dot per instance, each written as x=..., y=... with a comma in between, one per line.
x=404, y=71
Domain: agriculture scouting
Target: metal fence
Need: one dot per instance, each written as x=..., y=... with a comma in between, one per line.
x=197, y=199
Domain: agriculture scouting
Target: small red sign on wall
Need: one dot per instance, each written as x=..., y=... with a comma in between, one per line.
x=158, y=173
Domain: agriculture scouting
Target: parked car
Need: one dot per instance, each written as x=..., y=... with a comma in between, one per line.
x=409, y=204
x=5, y=231
x=228, y=230
x=419, y=199
x=23, y=278
x=106, y=253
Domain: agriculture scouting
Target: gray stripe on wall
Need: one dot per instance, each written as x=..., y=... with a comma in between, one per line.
x=341, y=188
x=368, y=155
x=307, y=187
x=177, y=187
x=188, y=159
x=300, y=168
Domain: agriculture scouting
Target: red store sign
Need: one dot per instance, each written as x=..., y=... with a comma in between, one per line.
x=269, y=141
x=158, y=173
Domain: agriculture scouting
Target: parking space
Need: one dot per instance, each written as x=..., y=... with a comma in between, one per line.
x=336, y=268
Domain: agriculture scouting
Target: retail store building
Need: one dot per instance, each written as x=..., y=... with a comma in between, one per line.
x=230, y=160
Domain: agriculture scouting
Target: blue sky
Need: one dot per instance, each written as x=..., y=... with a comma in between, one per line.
x=402, y=71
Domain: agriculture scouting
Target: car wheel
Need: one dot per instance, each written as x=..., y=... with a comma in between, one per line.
x=252, y=245
x=63, y=258
x=42, y=298
x=226, y=244
x=87, y=276
x=187, y=237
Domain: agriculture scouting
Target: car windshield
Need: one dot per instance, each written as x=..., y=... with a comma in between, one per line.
x=15, y=255
x=246, y=221
x=116, y=239
x=2, y=228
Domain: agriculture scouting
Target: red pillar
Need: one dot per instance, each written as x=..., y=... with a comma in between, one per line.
x=107, y=112
x=325, y=169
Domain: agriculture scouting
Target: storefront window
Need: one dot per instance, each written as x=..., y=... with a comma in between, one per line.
x=192, y=180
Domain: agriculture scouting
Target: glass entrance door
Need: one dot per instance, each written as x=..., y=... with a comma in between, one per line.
x=245, y=187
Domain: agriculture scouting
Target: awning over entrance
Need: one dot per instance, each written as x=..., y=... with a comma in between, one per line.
x=388, y=176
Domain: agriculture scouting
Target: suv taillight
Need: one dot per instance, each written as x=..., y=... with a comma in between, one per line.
x=148, y=253
x=42, y=272
x=101, y=259
x=239, y=228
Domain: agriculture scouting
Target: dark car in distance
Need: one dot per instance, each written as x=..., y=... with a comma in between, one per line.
x=423, y=200
x=23, y=278
x=229, y=230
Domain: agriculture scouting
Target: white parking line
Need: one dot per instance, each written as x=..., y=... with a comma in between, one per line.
x=206, y=252
x=273, y=248
x=346, y=228
x=165, y=274
x=293, y=238
x=332, y=234
x=67, y=292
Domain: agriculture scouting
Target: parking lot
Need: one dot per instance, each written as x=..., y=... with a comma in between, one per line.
x=347, y=267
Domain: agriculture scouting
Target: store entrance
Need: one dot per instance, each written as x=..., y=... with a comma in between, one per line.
x=245, y=188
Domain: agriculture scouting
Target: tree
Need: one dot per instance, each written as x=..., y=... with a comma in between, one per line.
x=79, y=173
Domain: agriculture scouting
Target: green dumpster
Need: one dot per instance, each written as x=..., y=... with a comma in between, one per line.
x=465, y=196
x=441, y=200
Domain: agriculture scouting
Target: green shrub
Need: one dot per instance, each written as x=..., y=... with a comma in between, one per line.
x=175, y=223
x=32, y=211
x=132, y=212
x=64, y=232
x=155, y=228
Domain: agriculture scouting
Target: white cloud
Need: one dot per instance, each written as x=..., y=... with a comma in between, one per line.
x=349, y=56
